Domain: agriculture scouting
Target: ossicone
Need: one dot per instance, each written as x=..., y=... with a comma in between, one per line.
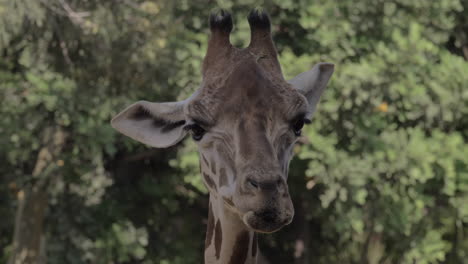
x=221, y=20
x=261, y=42
x=259, y=20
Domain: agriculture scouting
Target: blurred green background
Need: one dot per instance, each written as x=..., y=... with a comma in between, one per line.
x=380, y=176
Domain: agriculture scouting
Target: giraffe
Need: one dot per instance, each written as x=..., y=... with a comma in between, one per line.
x=245, y=118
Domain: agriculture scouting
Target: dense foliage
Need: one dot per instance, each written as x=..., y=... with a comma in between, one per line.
x=380, y=176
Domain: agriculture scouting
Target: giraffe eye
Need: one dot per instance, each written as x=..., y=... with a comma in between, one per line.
x=196, y=130
x=297, y=125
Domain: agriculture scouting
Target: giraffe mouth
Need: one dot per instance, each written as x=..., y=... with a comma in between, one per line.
x=265, y=221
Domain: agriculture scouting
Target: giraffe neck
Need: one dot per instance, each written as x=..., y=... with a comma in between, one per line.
x=228, y=241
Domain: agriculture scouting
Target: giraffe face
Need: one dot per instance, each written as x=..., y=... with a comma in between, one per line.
x=245, y=131
x=245, y=119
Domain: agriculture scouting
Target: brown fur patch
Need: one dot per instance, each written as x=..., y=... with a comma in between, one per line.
x=241, y=249
x=222, y=177
x=254, y=245
x=210, y=228
x=210, y=181
x=218, y=239
x=213, y=165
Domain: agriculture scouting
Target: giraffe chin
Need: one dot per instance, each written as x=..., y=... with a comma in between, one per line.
x=261, y=224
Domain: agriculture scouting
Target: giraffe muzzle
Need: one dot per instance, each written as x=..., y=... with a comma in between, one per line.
x=265, y=201
x=268, y=220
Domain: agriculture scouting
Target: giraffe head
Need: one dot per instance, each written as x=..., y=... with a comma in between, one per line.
x=245, y=118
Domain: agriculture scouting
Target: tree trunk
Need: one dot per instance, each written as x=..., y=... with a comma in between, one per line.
x=28, y=237
x=28, y=233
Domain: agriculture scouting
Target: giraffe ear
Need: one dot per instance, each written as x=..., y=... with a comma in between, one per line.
x=158, y=125
x=312, y=83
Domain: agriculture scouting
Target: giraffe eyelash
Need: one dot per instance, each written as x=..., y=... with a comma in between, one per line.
x=189, y=127
x=301, y=116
